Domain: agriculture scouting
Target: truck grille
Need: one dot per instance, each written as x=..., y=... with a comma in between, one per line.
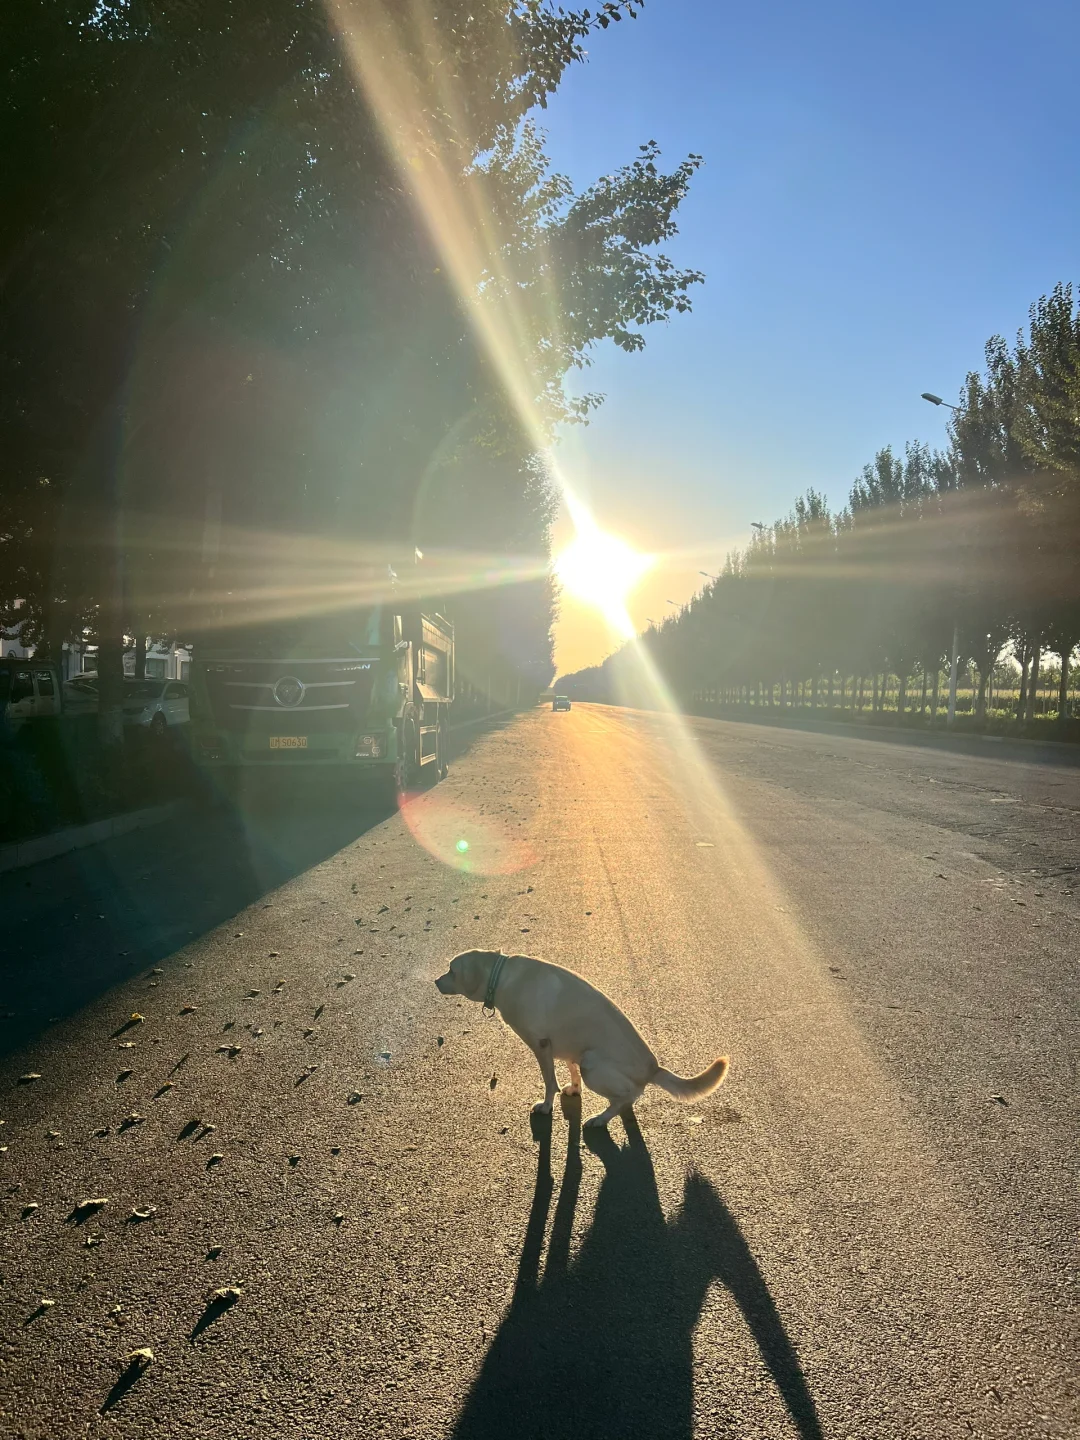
x=289, y=697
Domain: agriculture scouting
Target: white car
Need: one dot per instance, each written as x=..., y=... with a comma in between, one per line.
x=157, y=705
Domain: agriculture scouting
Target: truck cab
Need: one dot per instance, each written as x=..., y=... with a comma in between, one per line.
x=368, y=692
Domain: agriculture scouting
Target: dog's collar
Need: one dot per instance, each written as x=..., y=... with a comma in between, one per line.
x=493, y=980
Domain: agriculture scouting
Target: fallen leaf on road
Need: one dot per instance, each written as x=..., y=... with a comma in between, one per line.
x=294, y=1160
x=273, y=954
x=214, y=1252
x=226, y=1295
x=439, y=1040
x=29, y=1208
x=124, y=1075
x=355, y=1097
x=133, y=1119
x=188, y=1009
x=85, y=1208
x=231, y=1050
x=126, y=1045
x=164, y=1090
x=339, y=1217
x=253, y=993
x=493, y=1082
x=215, y=1160
x=157, y=970
x=147, y=1212
x=1000, y=1099
x=140, y=1359
x=29, y=1077
x=318, y=1012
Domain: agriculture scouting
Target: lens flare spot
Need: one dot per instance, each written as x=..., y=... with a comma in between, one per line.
x=464, y=838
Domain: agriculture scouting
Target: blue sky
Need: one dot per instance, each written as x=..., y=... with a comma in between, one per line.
x=885, y=187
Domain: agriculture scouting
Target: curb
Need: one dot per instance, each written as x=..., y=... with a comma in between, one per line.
x=78, y=837
x=481, y=719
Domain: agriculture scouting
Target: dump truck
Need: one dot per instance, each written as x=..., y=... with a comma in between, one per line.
x=363, y=692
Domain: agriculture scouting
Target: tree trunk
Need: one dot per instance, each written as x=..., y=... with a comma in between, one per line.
x=1063, y=687
x=877, y=693
x=1025, y=660
x=140, y=655
x=922, y=697
x=110, y=671
x=980, y=699
x=828, y=701
x=934, y=696
x=1033, y=684
x=857, y=703
x=901, y=694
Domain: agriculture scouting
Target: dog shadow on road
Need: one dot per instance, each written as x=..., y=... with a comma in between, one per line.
x=601, y=1345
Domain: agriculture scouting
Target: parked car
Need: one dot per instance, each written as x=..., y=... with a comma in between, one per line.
x=561, y=702
x=156, y=704
x=29, y=690
x=81, y=695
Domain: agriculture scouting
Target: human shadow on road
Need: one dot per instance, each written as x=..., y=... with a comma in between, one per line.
x=601, y=1345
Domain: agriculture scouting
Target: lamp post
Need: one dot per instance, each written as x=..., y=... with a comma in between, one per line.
x=955, y=657
x=708, y=575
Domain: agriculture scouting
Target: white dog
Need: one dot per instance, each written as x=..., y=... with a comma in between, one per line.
x=560, y=1016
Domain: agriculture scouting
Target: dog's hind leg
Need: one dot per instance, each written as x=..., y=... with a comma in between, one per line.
x=574, y=1088
x=546, y=1061
x=603, y=1077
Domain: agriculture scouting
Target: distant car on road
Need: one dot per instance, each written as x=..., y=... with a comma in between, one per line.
x=561, y=702
x=156, y=705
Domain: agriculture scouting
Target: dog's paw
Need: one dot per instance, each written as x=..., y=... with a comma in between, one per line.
x=596, y=1123
x=542, y=1107
x=571, y=1090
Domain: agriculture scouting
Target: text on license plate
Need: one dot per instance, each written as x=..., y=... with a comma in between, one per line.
x=288, y=742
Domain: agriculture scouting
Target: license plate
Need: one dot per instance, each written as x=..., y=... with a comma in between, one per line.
x=288, y=742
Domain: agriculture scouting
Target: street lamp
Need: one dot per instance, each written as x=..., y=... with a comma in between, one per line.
x=954, y=660
x=708, y=575
x=756, y=525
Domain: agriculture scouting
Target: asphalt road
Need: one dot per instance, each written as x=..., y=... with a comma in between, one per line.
x=869, y=1231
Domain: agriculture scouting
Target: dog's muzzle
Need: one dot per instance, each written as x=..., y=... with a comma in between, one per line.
x=443, y=984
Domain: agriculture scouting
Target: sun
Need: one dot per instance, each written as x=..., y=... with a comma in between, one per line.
x=602, y=570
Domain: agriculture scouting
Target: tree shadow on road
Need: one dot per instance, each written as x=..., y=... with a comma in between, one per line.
x=601, y=1345
x=86, y=921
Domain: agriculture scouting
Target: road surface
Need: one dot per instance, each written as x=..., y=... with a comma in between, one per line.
x=869, y=1231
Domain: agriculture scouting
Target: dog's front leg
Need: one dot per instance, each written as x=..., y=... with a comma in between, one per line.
x=546, y=1060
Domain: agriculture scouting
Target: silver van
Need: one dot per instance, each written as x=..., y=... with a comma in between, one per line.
x=29, y=690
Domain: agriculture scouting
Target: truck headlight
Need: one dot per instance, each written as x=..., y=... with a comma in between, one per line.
x=369, y=746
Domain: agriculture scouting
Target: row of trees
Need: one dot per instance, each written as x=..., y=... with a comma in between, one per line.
x=980, y=542
x=286, y=285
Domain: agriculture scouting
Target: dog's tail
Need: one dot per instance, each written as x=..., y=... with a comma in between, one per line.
x=693, y=1086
